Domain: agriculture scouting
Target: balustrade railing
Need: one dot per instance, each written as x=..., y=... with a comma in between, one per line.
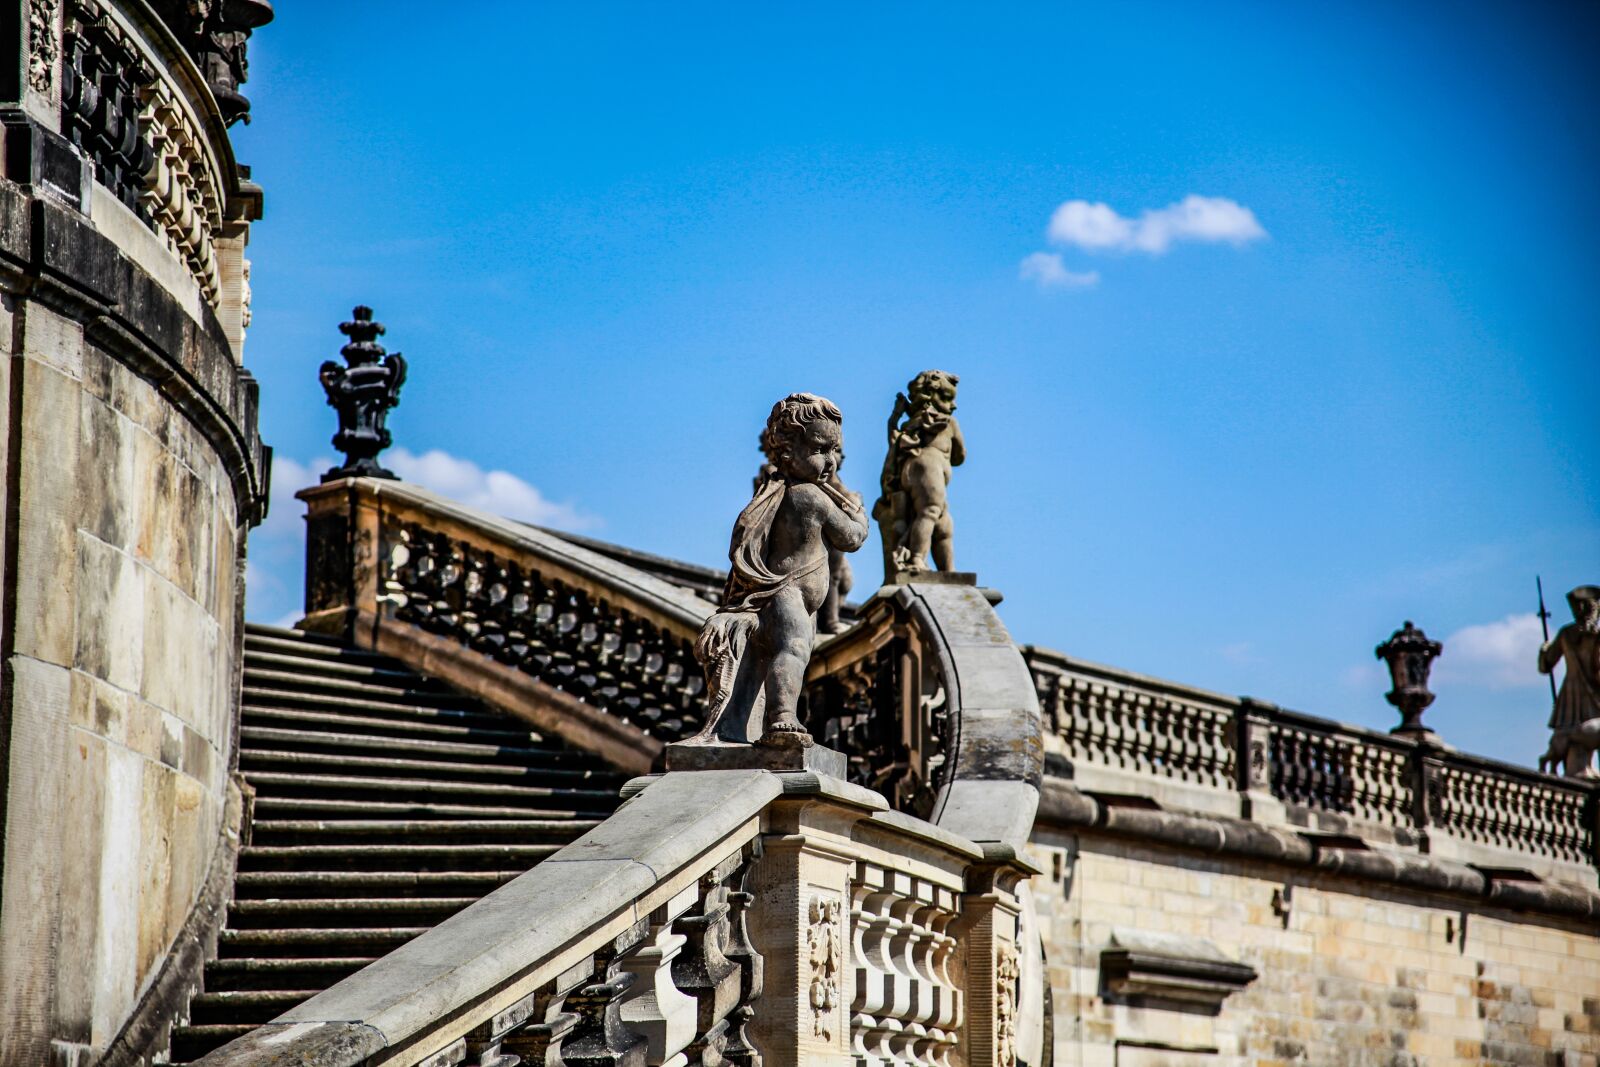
x=1120, y=732
x=734, y=917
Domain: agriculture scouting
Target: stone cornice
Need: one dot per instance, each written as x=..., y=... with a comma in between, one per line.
x=51, y=254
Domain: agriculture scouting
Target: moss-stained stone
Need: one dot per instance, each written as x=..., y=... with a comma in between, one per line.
x=158, y=814
x=111, y=510
x=49, y=481
x=82, y=827
x=111, y=623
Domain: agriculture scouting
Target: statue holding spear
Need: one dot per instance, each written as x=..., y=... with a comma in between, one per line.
x=1575, y=719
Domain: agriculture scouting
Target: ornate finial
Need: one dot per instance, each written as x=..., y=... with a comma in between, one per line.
x=362, y=393
x=913, y=513
x=1410, y=656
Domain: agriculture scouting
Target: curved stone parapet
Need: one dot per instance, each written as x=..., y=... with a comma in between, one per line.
x=932, y=701
x=587, y=648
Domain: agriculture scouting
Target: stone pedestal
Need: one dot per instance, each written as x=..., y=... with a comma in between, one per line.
x=733, y=757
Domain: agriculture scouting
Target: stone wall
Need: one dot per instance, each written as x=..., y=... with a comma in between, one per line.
x=1349, y=973
x=132, y=471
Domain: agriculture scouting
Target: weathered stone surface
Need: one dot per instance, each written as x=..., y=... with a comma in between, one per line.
x=730, y=757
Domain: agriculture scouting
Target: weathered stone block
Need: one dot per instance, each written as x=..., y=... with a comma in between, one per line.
x=110, y=623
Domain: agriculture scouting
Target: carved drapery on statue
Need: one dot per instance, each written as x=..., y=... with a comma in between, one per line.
x=756, y=647
x=362, y=393
x=913, y=512
x=1575, y=719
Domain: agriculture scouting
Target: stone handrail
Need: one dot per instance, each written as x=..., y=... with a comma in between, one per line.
x=935, y=707
x=1119, y=733
x=716, y=916
x=582, y=646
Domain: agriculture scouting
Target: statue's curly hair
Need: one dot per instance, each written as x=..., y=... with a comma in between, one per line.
x=791, y=415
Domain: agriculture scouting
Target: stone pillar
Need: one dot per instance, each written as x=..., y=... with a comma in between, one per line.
x=343, y=542
x=800, y=923
x=1253, y=763
x=988, y=931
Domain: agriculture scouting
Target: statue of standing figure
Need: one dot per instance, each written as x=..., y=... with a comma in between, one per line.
x=1575, y=721
x=756, y=647
x=913, y=513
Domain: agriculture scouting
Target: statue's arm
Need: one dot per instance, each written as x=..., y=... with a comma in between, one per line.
x=901, y=406
x=958, y=444
x=1550, y=652
x=842, y=520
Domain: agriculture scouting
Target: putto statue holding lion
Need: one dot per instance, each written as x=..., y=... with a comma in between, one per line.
x=925, y=442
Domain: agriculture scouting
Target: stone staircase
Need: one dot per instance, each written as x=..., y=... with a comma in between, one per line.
x=385, y=802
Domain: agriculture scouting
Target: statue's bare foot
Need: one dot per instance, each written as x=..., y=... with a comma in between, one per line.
x=786, y=733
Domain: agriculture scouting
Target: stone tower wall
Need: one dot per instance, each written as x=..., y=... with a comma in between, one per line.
x=132, y=471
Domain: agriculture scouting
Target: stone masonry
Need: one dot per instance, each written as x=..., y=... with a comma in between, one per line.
x=1350, y=974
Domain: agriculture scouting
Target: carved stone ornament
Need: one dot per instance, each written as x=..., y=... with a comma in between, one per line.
x=755, y=649
x=1006, y=972
x=924, y=444
x=1410, y=656
x=362, y=393
x=825, y=952
x=42, y=48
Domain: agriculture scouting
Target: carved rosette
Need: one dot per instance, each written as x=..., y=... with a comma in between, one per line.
x=1006, y=973
x=825, y=951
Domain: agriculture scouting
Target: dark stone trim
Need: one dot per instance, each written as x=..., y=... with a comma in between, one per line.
x=59, y=259
x=1062, y=806
x=1157, y=980
x=149, y=1029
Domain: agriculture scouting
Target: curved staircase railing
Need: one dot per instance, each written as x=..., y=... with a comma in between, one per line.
x=717, y=916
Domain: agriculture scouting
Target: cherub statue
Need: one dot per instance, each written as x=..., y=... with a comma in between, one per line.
x=841, y=579
x=912, y=512
x=1575, y=721
x=756, y=647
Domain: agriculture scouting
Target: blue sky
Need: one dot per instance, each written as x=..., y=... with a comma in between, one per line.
x=608, y=237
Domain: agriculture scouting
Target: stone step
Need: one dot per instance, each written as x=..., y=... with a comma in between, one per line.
x=293, y=973
x=309, y=913
x=274, y=807
x=291, y=885
x=355, y=831
x=413, y=692
x=423, y=727
x=191, y=1042
x=245, y=1005
x=273, y=737
x=394, y=789
x=373, y=671
x=459, y=711
x=329, y=942
x=257, y=630
x=393, y=857
x=272, y=759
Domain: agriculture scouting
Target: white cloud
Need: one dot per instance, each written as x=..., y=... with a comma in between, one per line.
x=1096, y=227
x=496, y=491
x=1047, y=269
x=1499, y=655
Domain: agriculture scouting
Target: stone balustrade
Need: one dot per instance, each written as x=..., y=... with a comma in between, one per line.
x=1122, y=734
x=122, y=83
x=744, y=917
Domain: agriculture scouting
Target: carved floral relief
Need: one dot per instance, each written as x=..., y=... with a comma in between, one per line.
x=825, y=950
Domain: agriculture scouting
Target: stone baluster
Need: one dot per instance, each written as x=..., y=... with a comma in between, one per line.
x=600, y=1038
x=539, y=1042
x=738, y=1050
x=703, y=969
x=656, y=1007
